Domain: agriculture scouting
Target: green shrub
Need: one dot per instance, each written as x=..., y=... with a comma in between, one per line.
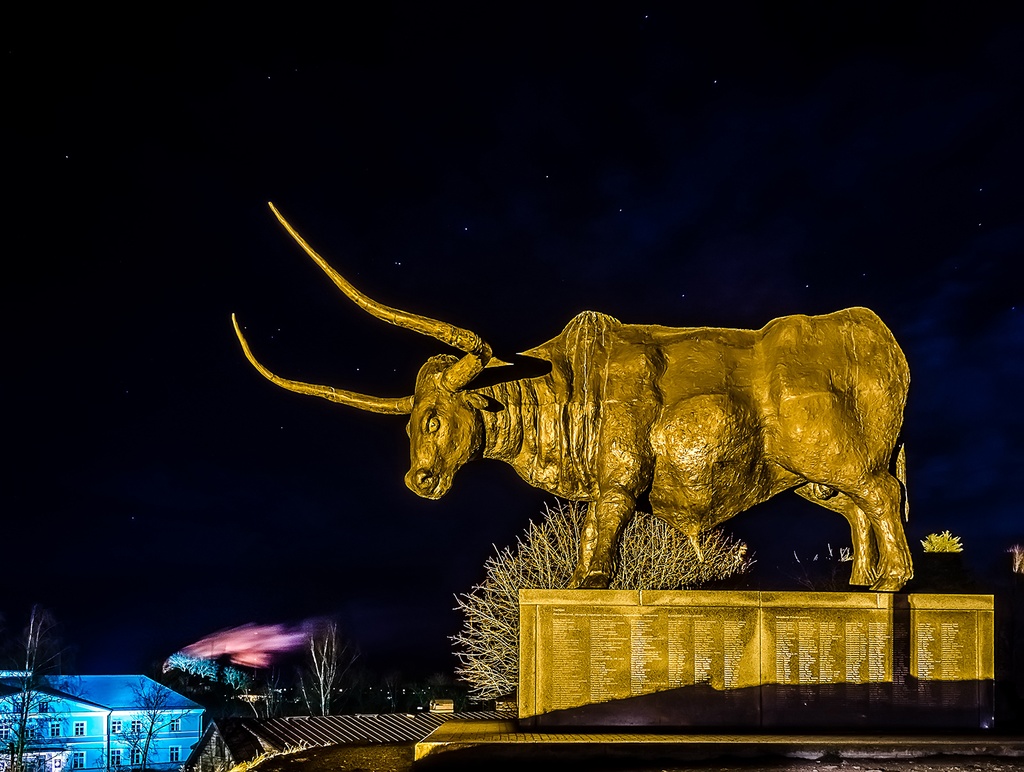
x=942, y=542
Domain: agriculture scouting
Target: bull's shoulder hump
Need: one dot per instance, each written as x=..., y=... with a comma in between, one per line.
x=585, y=325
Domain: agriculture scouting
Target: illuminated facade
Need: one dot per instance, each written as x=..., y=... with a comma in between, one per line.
x=97, y=723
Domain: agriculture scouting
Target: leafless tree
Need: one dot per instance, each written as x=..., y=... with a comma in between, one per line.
x=264, y=696
x=153, y=713
x=391, y=683
x=328, y=658
x=34, y=655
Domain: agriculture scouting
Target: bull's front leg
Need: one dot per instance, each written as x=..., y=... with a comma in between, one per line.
x=600, y=538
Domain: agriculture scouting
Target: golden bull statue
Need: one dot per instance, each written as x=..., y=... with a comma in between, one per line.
x=703, y=422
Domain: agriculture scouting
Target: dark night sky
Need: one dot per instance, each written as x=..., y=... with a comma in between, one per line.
x=501, y=167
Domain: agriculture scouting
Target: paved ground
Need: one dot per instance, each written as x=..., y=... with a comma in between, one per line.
x=501, y=740
x=496, y=745
x=399, y=758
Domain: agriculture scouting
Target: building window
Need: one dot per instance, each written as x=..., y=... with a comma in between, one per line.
x=174, y=753
x=175, y=725
x=115, y=757
x=115, y=726
x=136, y=756
x=55, y=729
x=58, y=762
x=79, y=729
x=136, y=725
x=5, y=731
x=44, y=707
x=78, y=760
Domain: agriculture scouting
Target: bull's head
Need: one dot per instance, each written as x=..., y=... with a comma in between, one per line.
x=445, y=428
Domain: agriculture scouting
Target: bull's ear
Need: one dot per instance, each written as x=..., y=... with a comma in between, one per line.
x=479, y=401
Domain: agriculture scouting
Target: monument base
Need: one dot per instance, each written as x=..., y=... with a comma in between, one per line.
x=755, y=659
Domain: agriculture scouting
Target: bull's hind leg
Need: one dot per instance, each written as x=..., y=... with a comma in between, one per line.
x=864, y=552
x=879, y=496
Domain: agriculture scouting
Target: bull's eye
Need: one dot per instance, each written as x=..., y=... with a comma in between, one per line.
x=433, y=424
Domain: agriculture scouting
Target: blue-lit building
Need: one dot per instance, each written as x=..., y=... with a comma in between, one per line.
x=105, y=722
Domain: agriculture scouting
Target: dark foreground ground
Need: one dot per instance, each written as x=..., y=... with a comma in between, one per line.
x=399, y=758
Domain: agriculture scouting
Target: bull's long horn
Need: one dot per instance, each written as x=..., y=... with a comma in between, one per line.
x=396, y=405
x=464, y=340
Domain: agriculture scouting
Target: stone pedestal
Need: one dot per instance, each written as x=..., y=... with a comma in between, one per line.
x=754, y=659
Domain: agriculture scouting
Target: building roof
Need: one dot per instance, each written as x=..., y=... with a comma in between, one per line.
x=241, y=743
x=49, y=688
x=110, y=692
x=277, y=734
x=122, y=692
x=246, y=738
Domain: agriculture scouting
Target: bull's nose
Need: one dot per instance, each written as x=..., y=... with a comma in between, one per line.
x=421, y=480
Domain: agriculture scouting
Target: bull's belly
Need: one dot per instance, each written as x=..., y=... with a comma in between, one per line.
x=710, y=463
x=711, y=493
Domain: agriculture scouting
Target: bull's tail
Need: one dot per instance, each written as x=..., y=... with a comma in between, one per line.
x=901, y=475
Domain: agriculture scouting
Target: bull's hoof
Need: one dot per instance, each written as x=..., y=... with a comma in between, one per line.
x=890, y=583
x=863, y=576
x=594, y=580
x=891, y=575
x=597, y=580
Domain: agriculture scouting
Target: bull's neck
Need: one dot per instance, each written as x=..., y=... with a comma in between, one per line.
x=550, y=444
x=503, y=436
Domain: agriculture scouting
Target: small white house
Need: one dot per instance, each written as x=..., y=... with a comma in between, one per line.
x=104, y=722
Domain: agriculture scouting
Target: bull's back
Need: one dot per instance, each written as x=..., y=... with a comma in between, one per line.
x=810, y=382
x=695, y=361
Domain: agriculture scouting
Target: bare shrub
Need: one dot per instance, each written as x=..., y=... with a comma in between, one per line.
x=1017, y=551
x=652, y=556
x=825, y=572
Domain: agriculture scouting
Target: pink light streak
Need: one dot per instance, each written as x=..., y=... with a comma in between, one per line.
x=252, y=645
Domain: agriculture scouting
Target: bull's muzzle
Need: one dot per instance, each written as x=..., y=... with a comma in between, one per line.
x=426, y=483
